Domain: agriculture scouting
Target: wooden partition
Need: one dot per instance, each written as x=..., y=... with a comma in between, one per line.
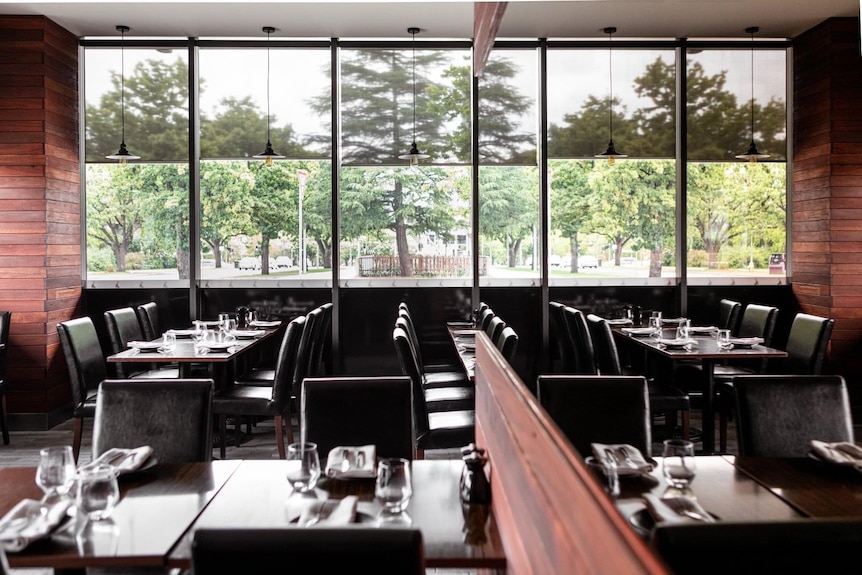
x=552, y=514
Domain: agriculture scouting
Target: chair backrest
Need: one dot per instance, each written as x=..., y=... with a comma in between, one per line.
x=84, y=357
x=324, y=347
x=285, y=362
x=306, y=346
x=495, y=327
x=173, y=416
x=123, y=326
x=806, y=346
x=607, y=354
x=485, y=319
x=585, y=353
x=148, y=317
x=758, y=321
x=598, y=409
x=507, y=343
x=340, y=411
x=323, y=549
x=405, y=322
x=408, y=364
x=792, y=546
x=777, y=415
x=728, y=314
x=560, y=334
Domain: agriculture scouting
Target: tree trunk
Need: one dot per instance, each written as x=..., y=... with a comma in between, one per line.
x=401, y=235
x=655, y=257
x=183, y=263
x=264, y=256
x=216, y=247
x=325, y=252
x=120, y=251
x=573, y=251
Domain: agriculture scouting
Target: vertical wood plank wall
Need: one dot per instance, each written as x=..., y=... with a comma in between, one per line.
x=552, y=515
x=40, y=249
x=827, y=185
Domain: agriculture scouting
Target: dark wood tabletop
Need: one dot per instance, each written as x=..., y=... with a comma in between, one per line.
x=258, y=495
x=719, y=487
x=463, y=338
x=814, y=488
x=705, y=350
x=156, y=507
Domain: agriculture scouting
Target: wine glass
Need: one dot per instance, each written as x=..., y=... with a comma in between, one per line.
x=394, y=485
x=655, y=324
x=303, y=466
x=98, y=491
x=678, y=465
x=55, y=472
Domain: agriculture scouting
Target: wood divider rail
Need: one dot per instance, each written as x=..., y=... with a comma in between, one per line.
x=553, y=516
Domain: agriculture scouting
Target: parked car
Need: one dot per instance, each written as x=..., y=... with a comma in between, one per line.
x=283, y=262
x=249, y=263
x=777, y=263
x=588, y=262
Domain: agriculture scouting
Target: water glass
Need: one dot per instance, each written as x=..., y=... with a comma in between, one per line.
x=612, y=476
x=98, y=492
x=98, y=538
x=722, y=339
x=678, y=462
x=230, y=325
x=683, y=329
x=303, y=466
x=222, y=320
x=56, y=471
x=394, y=486
x=655, y=324
x=169, y=342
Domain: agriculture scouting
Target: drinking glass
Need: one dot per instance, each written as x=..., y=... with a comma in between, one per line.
x=56, y=471
x=722, y=339
x=394, y=485
x=655, y=324
x=683, y=329
x=230, y=325
x=303, y=466
x=222, y=320
x=678, y=463
x=169, y=341
x=98, y=492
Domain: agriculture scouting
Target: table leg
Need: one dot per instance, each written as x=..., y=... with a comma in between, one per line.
x=708, y=433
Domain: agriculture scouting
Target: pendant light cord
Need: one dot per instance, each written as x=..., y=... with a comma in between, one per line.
x=414, y=86
x=123, y=85
x=752, y=84
x=611, y=81
x=268, y=32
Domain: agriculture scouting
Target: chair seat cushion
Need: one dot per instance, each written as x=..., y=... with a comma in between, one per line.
x=86, y=408
x=446, y=379
x=245, y=400
x=261, y=377
x=450, y=398
x=667, y=398
x=448, y=430
x=163, y=373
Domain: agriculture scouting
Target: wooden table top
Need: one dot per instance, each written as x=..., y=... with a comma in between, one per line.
x=155, y=509
x=185, y=352
x=258, y=495
x=720, y=489
x=815, y=488
x=705, y=348
x=461, y=336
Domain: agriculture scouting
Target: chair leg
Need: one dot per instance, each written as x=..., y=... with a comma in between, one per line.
x=686, y=424
x=222, y=432
x=76, y=437
x=279, y=436
x=4, y=421
x=722, y=430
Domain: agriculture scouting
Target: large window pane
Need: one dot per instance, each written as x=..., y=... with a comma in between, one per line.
x=137, y=213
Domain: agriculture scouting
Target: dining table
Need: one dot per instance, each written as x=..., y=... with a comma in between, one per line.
x=704, y=348
x=463, y=336
x=222, y=363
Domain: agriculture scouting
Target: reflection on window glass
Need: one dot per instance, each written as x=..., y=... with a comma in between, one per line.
x=405, y=222
x=508, y=103
x=612, y=221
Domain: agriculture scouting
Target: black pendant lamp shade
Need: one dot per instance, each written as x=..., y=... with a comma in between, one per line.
x=268, y=153
x=414, y=155
x=611, y=153
x=752, y=155
x=123, y=154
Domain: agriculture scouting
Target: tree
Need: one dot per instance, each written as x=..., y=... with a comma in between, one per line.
x=570, y=202
x=317, y=209
x=114, y=210
x=508, y=204
x=227, y=189
x=273, y=206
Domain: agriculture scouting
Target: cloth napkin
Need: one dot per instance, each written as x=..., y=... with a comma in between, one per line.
x=676, y=509
x=123, y=460
x=841, y=453
x=629, y=459
x=30, y=520
x=329, y=512
x=619, y=321
x=352, y=462
x=261, y=323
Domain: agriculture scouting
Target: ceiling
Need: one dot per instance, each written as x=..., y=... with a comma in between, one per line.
x=440, y=19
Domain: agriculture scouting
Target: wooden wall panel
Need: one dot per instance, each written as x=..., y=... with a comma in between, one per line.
x=40, y=201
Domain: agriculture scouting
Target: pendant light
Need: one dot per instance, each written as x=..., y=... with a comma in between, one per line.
x=611, y=153
x=752, y=155
x=268, y=154
x=123, y=154
x=414, y=155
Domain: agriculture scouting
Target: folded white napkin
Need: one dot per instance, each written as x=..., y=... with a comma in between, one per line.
x=629, y=459
x=841, y=452
x=329, y=512
x=676, y=509
x=352, y=462
x=638, y=331
x=123, y=460
x=619, y=321
x=261, y=323
x=30, y=520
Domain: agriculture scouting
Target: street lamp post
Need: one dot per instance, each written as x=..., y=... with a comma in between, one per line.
x=302, y=177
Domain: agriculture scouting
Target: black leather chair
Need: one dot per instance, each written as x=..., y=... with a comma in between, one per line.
x=323, y=550
x=123, y=326
x=456, y=397
x=755, y=548
x=87, y=369
x=806, y=347
x=777, y=415
x=507, y=343
x=664, y=398
x=340, y=411
x=321, y=351
x=265, y=401
x=440, y=364
x=560, y=335
x=173, y=416
x=495, y=328
x=5, y=326
x=728, y=314
x=485, y=318
x=598, y=409
x=151, y=323
x=582, y=343
x=441, y=375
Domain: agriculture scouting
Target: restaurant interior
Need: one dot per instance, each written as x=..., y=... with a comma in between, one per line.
x=432, y=172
